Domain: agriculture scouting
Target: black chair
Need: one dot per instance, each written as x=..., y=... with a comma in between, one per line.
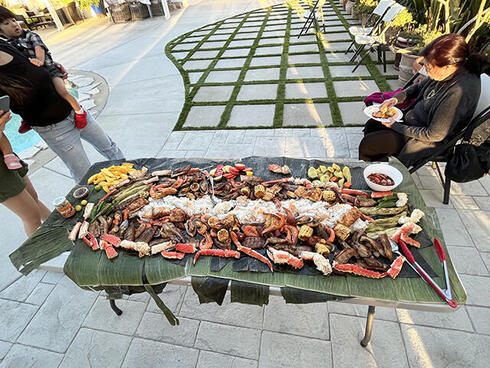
x=443, y=152
x=311, y=19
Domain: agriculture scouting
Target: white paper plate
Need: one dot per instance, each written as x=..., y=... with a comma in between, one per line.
x=375, y=107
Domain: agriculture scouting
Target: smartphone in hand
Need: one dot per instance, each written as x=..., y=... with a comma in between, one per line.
x=5, y=104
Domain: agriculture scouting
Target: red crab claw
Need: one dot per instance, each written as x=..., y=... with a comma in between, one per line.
x=91, y=241
x=111, y=239
x=172, y=255
x=185, y=248
x=248, y=251
x=278, y=181
x=273, y=227
x=207, y=242
x=250, y=230
x=275, y=168
x=110, y=252
x=357, y=270
x=282, y=257
x=217, y=252
x=396, y=267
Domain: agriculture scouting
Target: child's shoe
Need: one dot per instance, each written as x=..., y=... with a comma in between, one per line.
x=24, y=127
x=81, y=119
x=12, y=161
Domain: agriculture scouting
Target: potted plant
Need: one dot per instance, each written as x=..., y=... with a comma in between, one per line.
x=364, y=8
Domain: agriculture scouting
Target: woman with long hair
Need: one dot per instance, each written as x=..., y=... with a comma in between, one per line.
x=445, y=103
x=34, y=98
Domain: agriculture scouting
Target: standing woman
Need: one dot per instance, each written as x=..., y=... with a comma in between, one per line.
x=34, y=98
x=17, y=192
x=445, y=103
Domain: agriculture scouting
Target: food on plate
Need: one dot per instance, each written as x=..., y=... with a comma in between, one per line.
x=384, y=113
x=381, y=179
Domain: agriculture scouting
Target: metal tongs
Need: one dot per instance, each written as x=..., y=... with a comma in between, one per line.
x=444, y=293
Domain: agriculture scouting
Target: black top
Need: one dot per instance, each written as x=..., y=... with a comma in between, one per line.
x=442, y=107
x=42, y=105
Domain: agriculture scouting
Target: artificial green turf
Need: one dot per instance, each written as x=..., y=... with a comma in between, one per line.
x=264, y=27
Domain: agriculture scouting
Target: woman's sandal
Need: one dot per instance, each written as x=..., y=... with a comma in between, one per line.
x=12, y=161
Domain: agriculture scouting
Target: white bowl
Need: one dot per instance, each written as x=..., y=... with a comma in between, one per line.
x=386, y=169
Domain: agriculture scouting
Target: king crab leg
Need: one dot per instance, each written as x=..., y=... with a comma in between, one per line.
x=217, y=252
x=248, y=251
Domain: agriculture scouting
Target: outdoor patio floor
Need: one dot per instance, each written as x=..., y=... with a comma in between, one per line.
x=47, y=321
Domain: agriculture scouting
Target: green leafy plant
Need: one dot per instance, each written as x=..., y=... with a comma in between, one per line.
x=365, y=7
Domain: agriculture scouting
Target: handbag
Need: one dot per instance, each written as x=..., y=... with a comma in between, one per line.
x=464, y=164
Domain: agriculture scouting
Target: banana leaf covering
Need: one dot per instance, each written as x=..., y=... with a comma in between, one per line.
x=127, y=273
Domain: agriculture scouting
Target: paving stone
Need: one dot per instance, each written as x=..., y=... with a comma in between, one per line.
x=477, y=290
x=299, y=72
x=336, y=36
x=485, y=182
x=196, y=140
x=381, y=313
x=482, y=202
x=486, y=259
x=171, y=154
x=209, y=93
x=456, y=320
x=336, y=145
x=394, y=84
x=273, y=34
x=194, y=77
x=246, y=35
x=467, y=260
x=236, y=52
x=208, y=359
x=306, y=90
x=4, y=348
x=307, y=114
x=259, y=133
x=260, y=115
x=230, y=63
x=23, y=287
x=222, y=76
x=266, y=61
x=433, y=198
x=257, y=92
x=147, y=353
x=305, y=147
x=212, y=44
x=102, y=317
x=434, y=347
x=229, y=313
x=96, y=349
x=353, y=140
x=270, y=146
x=355, y=88
x=14, y=317
x=229, y=151
x=262, y=74
x=303, y=48
x=452, y=227
x=195, y=154
x=268, y=50
x=292, y=132
x=156, y=327
x=197, y=64
x=338, y=57
x=205, y=54
x=477, y=225
x=232, y=340
x=464, y=202
x=26, y=356
x=52, y=277
x=282, y=350
x=269, y=41
x=480, y=319
x=59, y=318
x=335, y=46
x=241, y=43
x=431, y=182
x=40, y=293
x=473, y=188
x=352, y=112
x=203, y=116
x=346, y=71
x=302, y=319
x=300, y=59
x=384, y=349
x=172, y=296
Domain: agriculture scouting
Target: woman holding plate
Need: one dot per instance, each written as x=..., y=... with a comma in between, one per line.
x=445, y=103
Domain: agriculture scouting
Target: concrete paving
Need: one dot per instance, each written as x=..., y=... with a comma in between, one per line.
x=47, y=321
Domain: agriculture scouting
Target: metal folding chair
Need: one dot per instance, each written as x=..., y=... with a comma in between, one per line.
x=311, y=18
x=379, y=12
x=376, y=41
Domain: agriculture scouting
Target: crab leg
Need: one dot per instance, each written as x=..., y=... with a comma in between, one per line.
x=278, y=181
x=217, y=252
x=185, y=248
x=249, y=252
x=172, y=255
x=207, y=242
x=354, y=192
x=281, y=257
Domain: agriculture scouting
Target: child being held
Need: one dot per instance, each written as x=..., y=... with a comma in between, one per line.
x=32, y=46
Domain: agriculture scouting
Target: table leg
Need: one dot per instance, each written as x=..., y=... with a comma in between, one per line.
x=114, y=307
x=369, y=326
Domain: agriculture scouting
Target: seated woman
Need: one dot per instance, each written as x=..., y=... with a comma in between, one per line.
x=445, y=103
